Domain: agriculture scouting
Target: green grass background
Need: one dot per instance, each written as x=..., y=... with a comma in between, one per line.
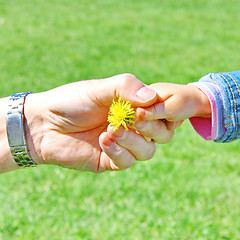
x=191, y=188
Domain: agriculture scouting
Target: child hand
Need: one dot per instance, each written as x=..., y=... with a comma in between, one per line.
x=175, y=103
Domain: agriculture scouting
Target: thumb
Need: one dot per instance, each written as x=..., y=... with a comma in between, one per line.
x=128, y=87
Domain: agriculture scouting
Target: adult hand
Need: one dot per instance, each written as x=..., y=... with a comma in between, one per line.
x=67, y=126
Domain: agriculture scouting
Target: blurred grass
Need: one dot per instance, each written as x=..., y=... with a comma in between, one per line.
x=190, y=190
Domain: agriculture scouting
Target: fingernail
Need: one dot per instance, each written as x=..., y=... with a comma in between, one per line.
x=146, y=93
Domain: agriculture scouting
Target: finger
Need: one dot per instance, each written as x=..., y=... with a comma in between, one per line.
x=173, y=125
x=171, y=110
x=114, y=156
x=126, y=86
x=133, y=142
x=154, y=112
x=156, y=129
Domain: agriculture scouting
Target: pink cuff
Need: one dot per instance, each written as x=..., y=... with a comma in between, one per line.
x=208, y=127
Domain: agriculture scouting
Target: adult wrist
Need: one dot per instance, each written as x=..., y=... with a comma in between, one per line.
x=33, y=128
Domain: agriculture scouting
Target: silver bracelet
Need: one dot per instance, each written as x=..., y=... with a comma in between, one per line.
x=15, y=130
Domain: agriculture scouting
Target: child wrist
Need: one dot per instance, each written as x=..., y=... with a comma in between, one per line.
x=202, y=103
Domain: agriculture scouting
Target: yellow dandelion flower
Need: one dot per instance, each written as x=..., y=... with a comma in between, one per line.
x=121, y=113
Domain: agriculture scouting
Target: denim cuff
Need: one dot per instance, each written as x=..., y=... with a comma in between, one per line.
x=228, y=83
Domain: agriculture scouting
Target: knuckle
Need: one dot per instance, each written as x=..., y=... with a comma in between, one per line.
x=126, y=78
